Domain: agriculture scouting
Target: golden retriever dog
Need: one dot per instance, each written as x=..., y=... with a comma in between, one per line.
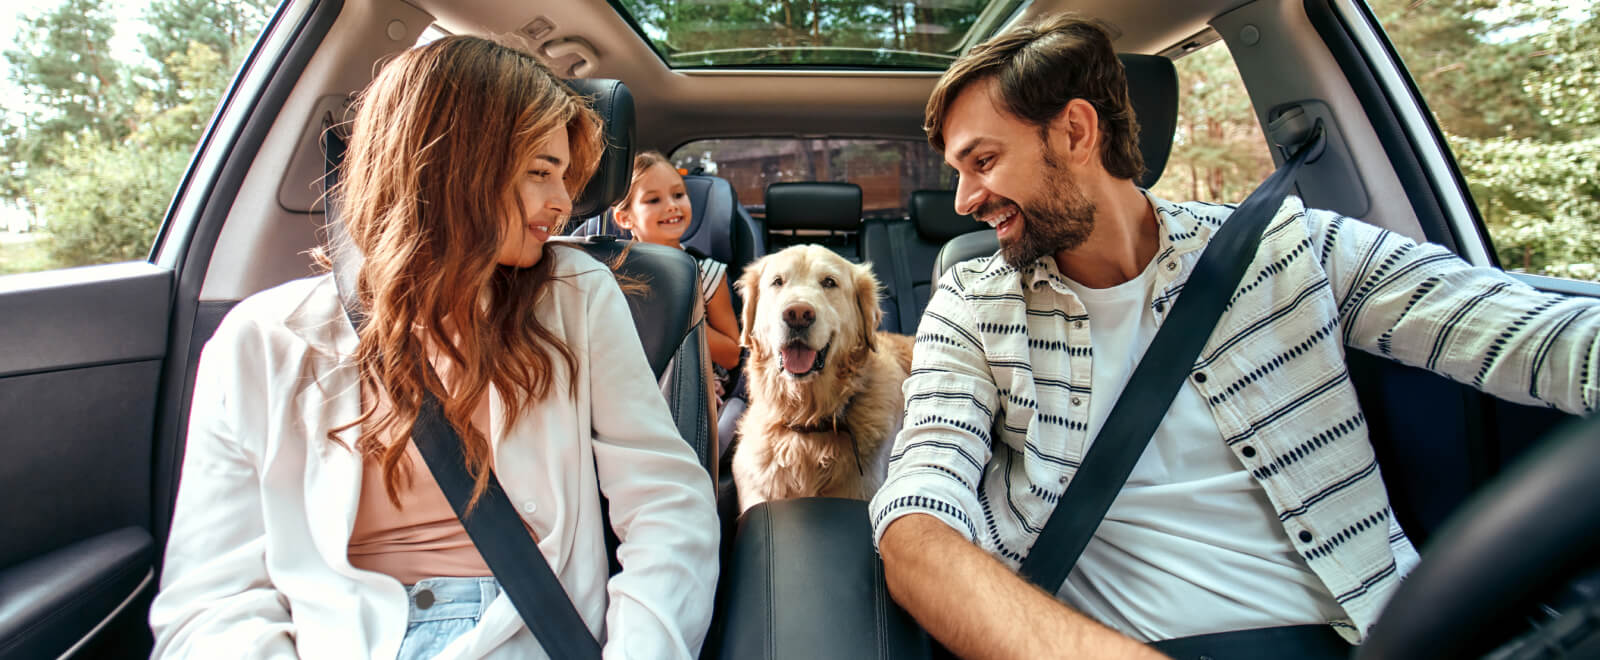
x=825, y=398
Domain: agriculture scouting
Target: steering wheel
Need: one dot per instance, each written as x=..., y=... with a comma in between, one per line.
x=1536, y=521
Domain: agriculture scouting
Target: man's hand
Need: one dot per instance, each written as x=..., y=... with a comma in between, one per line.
x=978, y=608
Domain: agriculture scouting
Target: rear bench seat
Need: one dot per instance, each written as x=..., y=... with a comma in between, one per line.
x=902, y=253
x=823, y=213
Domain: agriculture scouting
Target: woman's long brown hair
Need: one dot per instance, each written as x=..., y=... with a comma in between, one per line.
x=437, y=144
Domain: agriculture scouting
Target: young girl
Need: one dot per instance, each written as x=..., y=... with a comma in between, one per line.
x=306, y=522
x=656, y=210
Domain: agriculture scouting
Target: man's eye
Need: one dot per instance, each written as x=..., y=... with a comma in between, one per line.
x=985, y=162
x=829, y=283
x=777, y=281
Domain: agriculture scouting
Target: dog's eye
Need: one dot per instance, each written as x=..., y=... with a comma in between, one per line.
x=829, y=283
x=777, y=280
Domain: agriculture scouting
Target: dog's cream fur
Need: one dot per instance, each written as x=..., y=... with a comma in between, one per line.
x=827, y=432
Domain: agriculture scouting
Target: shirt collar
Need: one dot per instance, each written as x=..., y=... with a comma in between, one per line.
x=1181, y=232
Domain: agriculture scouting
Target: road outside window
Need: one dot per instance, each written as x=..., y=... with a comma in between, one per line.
x=105, y=102
x=1512, y=87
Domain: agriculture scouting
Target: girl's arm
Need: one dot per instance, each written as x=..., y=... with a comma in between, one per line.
x=216, y=599
x=723, y=339
x=662, y=507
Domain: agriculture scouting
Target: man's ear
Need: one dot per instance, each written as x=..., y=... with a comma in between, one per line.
x=867, y=305
x=1075, y=132
x=749, y=286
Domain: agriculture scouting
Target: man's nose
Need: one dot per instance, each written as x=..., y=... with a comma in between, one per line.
x=799, y=316
x=969, y=195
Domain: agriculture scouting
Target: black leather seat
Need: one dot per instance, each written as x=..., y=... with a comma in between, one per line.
x=669, y=315
x=824, y=213
x=902, y=252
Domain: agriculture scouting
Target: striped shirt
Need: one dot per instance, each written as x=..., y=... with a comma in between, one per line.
x=998, y=397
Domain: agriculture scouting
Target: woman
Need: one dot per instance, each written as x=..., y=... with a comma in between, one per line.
x=306, y=523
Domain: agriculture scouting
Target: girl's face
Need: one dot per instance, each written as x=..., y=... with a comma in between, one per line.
x=658, y=211
x=541, y=186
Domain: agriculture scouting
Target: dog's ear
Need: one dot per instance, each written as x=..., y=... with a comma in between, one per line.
x=867, y=305
x=749, y=286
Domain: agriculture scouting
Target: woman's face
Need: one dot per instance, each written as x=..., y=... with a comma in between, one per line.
x=541, y=187
x=659, y=210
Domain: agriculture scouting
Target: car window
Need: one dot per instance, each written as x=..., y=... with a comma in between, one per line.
x=1218, y=152
x=1510, y=85
x=105, y=102
x=888, y=170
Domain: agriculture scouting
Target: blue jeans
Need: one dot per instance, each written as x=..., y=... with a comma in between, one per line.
x=442, y=609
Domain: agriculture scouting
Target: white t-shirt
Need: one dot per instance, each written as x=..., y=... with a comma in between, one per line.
x=1192, y=545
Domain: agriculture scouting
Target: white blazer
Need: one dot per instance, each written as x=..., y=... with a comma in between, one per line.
x=256, y=564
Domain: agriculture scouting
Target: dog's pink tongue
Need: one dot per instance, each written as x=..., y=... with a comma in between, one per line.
x=797, y=359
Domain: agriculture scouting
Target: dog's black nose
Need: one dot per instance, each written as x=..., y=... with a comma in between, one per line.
x=799, y=316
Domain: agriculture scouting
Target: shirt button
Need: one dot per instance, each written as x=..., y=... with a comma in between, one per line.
x=1248, y=451
x=1172, y=265
x=1161, y=307
x=1305, y=536
x=1200, y=377
x=1077, y=401
x=1062, y=480
x=529, y=506
x=1077, y=325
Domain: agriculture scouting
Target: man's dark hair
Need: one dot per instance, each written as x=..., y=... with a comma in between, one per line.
x=1039, y=68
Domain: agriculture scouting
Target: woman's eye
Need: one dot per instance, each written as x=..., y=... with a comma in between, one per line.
x=540, y=174
x=777, y=281
x=829, y=283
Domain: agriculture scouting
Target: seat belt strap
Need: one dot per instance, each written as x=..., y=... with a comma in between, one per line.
x=1155, y=381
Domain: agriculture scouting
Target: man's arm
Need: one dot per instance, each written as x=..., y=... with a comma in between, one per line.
x=978, y=608
x=927, y=516
x=1422, y=306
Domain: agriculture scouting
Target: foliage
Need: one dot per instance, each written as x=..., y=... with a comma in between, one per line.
x=1510, y=86
x=99, y=152
x=1218, y=152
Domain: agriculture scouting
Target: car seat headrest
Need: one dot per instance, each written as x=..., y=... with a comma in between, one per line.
x=933, y=213
x=814, y=205
x=1153, y=91
x=614, y=103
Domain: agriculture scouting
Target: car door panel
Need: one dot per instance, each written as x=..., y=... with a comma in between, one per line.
x=81, y=353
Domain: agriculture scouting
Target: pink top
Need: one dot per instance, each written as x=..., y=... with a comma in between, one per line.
x=421, y=539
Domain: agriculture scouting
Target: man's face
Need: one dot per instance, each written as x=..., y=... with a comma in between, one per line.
x=1012, y=178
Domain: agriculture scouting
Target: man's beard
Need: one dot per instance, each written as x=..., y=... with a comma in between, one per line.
x=1061, y=220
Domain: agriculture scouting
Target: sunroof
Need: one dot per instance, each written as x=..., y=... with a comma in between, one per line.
x=922, y=34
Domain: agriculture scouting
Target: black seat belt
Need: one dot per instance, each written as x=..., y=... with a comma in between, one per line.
x=1155, y=381
x=494, y=525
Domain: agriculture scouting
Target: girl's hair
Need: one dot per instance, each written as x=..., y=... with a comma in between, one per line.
x=641, y=164
x=438, y=141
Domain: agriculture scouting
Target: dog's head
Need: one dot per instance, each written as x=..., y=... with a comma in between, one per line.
x=808, y=308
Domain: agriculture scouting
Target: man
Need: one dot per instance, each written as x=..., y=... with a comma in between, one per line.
x=1258, y=503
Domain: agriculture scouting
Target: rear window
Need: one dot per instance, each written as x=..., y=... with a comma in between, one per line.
x=888, y=170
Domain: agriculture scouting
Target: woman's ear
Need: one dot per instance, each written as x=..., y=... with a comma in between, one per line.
x=749, y=286
x=867, y=304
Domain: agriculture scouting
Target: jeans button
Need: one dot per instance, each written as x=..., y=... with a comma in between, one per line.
x=423, y=598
